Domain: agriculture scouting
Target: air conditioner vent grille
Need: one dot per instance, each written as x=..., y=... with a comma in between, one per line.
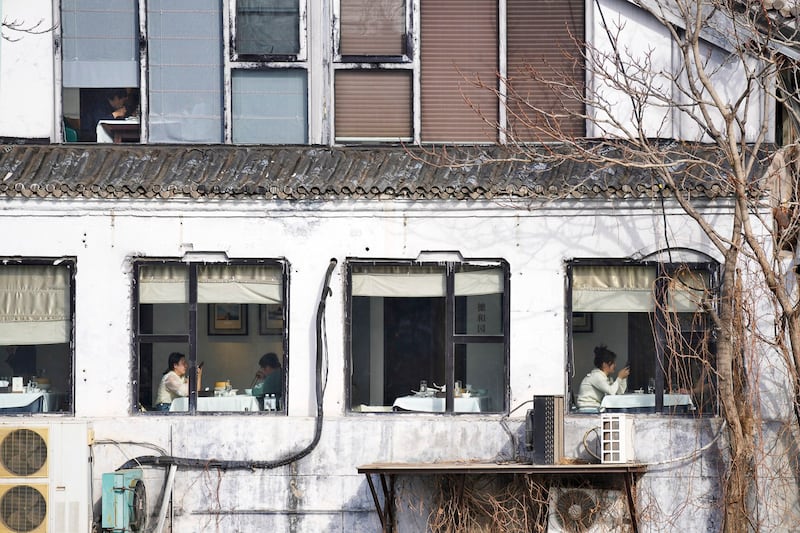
x=23, y=509
x=23, y=452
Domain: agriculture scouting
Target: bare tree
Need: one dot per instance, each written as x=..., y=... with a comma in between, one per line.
x=13, y=30
x=737, y=72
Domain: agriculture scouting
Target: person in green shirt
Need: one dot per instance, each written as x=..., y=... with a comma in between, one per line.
x=269, y=378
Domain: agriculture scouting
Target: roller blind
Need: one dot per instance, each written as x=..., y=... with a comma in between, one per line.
x=416, y=285
x=34, y=304
x=544, y=35
x=373, y=104
x=628, y=289
x=458, y=46
x=622, y=289
x=99, y=43
x=215, y=284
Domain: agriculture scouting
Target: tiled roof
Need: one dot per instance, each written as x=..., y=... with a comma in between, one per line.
x=312, y=172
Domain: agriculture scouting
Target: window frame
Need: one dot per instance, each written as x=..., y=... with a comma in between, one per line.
x=452, y=339
x=663, y=269
x=190, y=337
x=70, y=263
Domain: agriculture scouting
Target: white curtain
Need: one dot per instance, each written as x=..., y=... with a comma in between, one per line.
x=240, y=284
x=411, y=284
x=34, y=304
x=630, y=289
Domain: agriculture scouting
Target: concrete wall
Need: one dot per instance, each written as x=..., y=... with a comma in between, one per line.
x=323, y=492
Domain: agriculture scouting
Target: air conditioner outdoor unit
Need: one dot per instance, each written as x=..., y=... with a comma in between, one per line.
x=616, y=438
x=544, y=429
x=44, y=478
x=124, y=501
x=574, y=510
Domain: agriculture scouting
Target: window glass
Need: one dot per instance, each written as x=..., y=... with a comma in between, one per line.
x=267, y=27
x=373, y=27
x=36, y=332
x=237, y=321
x=270, y=106
x=650, y=316
x=185, y=71
x=399, y=337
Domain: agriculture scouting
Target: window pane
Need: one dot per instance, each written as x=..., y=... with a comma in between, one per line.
x=267, y=27
x=373, y=27
x=480, y=368
x=479, y=300
x=373, y=104
x=100, y=44
x=234, y=333
x=35, y=335
x=396, y=343
x=185, y=71
x=270, y=106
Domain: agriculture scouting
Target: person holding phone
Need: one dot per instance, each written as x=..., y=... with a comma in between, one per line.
x=174, y=383
x=598, y=383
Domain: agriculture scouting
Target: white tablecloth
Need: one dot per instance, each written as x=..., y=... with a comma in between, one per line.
x=103, y=136
x=22, y=399
x=217, y=403
x=437, y=405
x=637, y=401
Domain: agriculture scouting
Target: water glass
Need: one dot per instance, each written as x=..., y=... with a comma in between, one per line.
x=423, y=386
x=651, y=386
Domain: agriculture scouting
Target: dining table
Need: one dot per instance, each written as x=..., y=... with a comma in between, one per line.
x=637, y=401
x=118, y=131
x=237, y=403
x=433, y=404
x=29, y=402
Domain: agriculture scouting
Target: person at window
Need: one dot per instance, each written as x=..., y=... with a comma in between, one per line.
x=598, y=383
x=174, y=383
x=22, y=360
x=269, y=377
x=110, y=106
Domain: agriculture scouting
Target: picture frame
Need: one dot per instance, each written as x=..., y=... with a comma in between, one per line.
x=270, y=319
x=582, y=322
x=227, y=319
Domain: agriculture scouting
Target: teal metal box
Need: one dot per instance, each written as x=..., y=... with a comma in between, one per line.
x=124, y=504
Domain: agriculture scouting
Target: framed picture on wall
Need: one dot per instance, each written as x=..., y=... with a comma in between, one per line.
x=270, y=319
x=581, y=322
x=227, y=319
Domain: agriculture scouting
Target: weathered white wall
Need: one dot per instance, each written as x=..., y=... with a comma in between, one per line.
x=27, y=95
x=322, y=492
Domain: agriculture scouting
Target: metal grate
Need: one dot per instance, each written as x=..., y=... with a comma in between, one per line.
x=23, y=508
x=23, y=452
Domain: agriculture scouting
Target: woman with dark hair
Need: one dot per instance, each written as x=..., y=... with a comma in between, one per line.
x=174, y=383
x=598, y=383
x=269, y=378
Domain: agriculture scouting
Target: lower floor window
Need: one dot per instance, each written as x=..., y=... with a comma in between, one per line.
x=211, y=337
x=428, y=337
x=36, y=303
x=650, y=318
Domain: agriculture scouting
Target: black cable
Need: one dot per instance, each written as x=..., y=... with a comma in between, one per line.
x=165, y=460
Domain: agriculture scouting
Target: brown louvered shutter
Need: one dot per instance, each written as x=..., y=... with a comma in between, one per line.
x=543, y=37
x=373, y=104
x=458, y=47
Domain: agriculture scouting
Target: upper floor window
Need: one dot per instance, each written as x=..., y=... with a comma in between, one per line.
x=267, y=28
x=653, y=316
x=36, y=334
x=440, y=326
x=229, y=320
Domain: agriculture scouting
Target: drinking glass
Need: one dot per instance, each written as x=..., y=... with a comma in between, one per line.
x=423, y=386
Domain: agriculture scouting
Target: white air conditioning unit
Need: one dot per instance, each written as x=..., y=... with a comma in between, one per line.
x=44, y=478
x=574, y=510
x=616, y=438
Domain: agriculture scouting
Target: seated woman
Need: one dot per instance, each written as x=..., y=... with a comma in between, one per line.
x=174, y=383
x=269, y=378
x=597, y=383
